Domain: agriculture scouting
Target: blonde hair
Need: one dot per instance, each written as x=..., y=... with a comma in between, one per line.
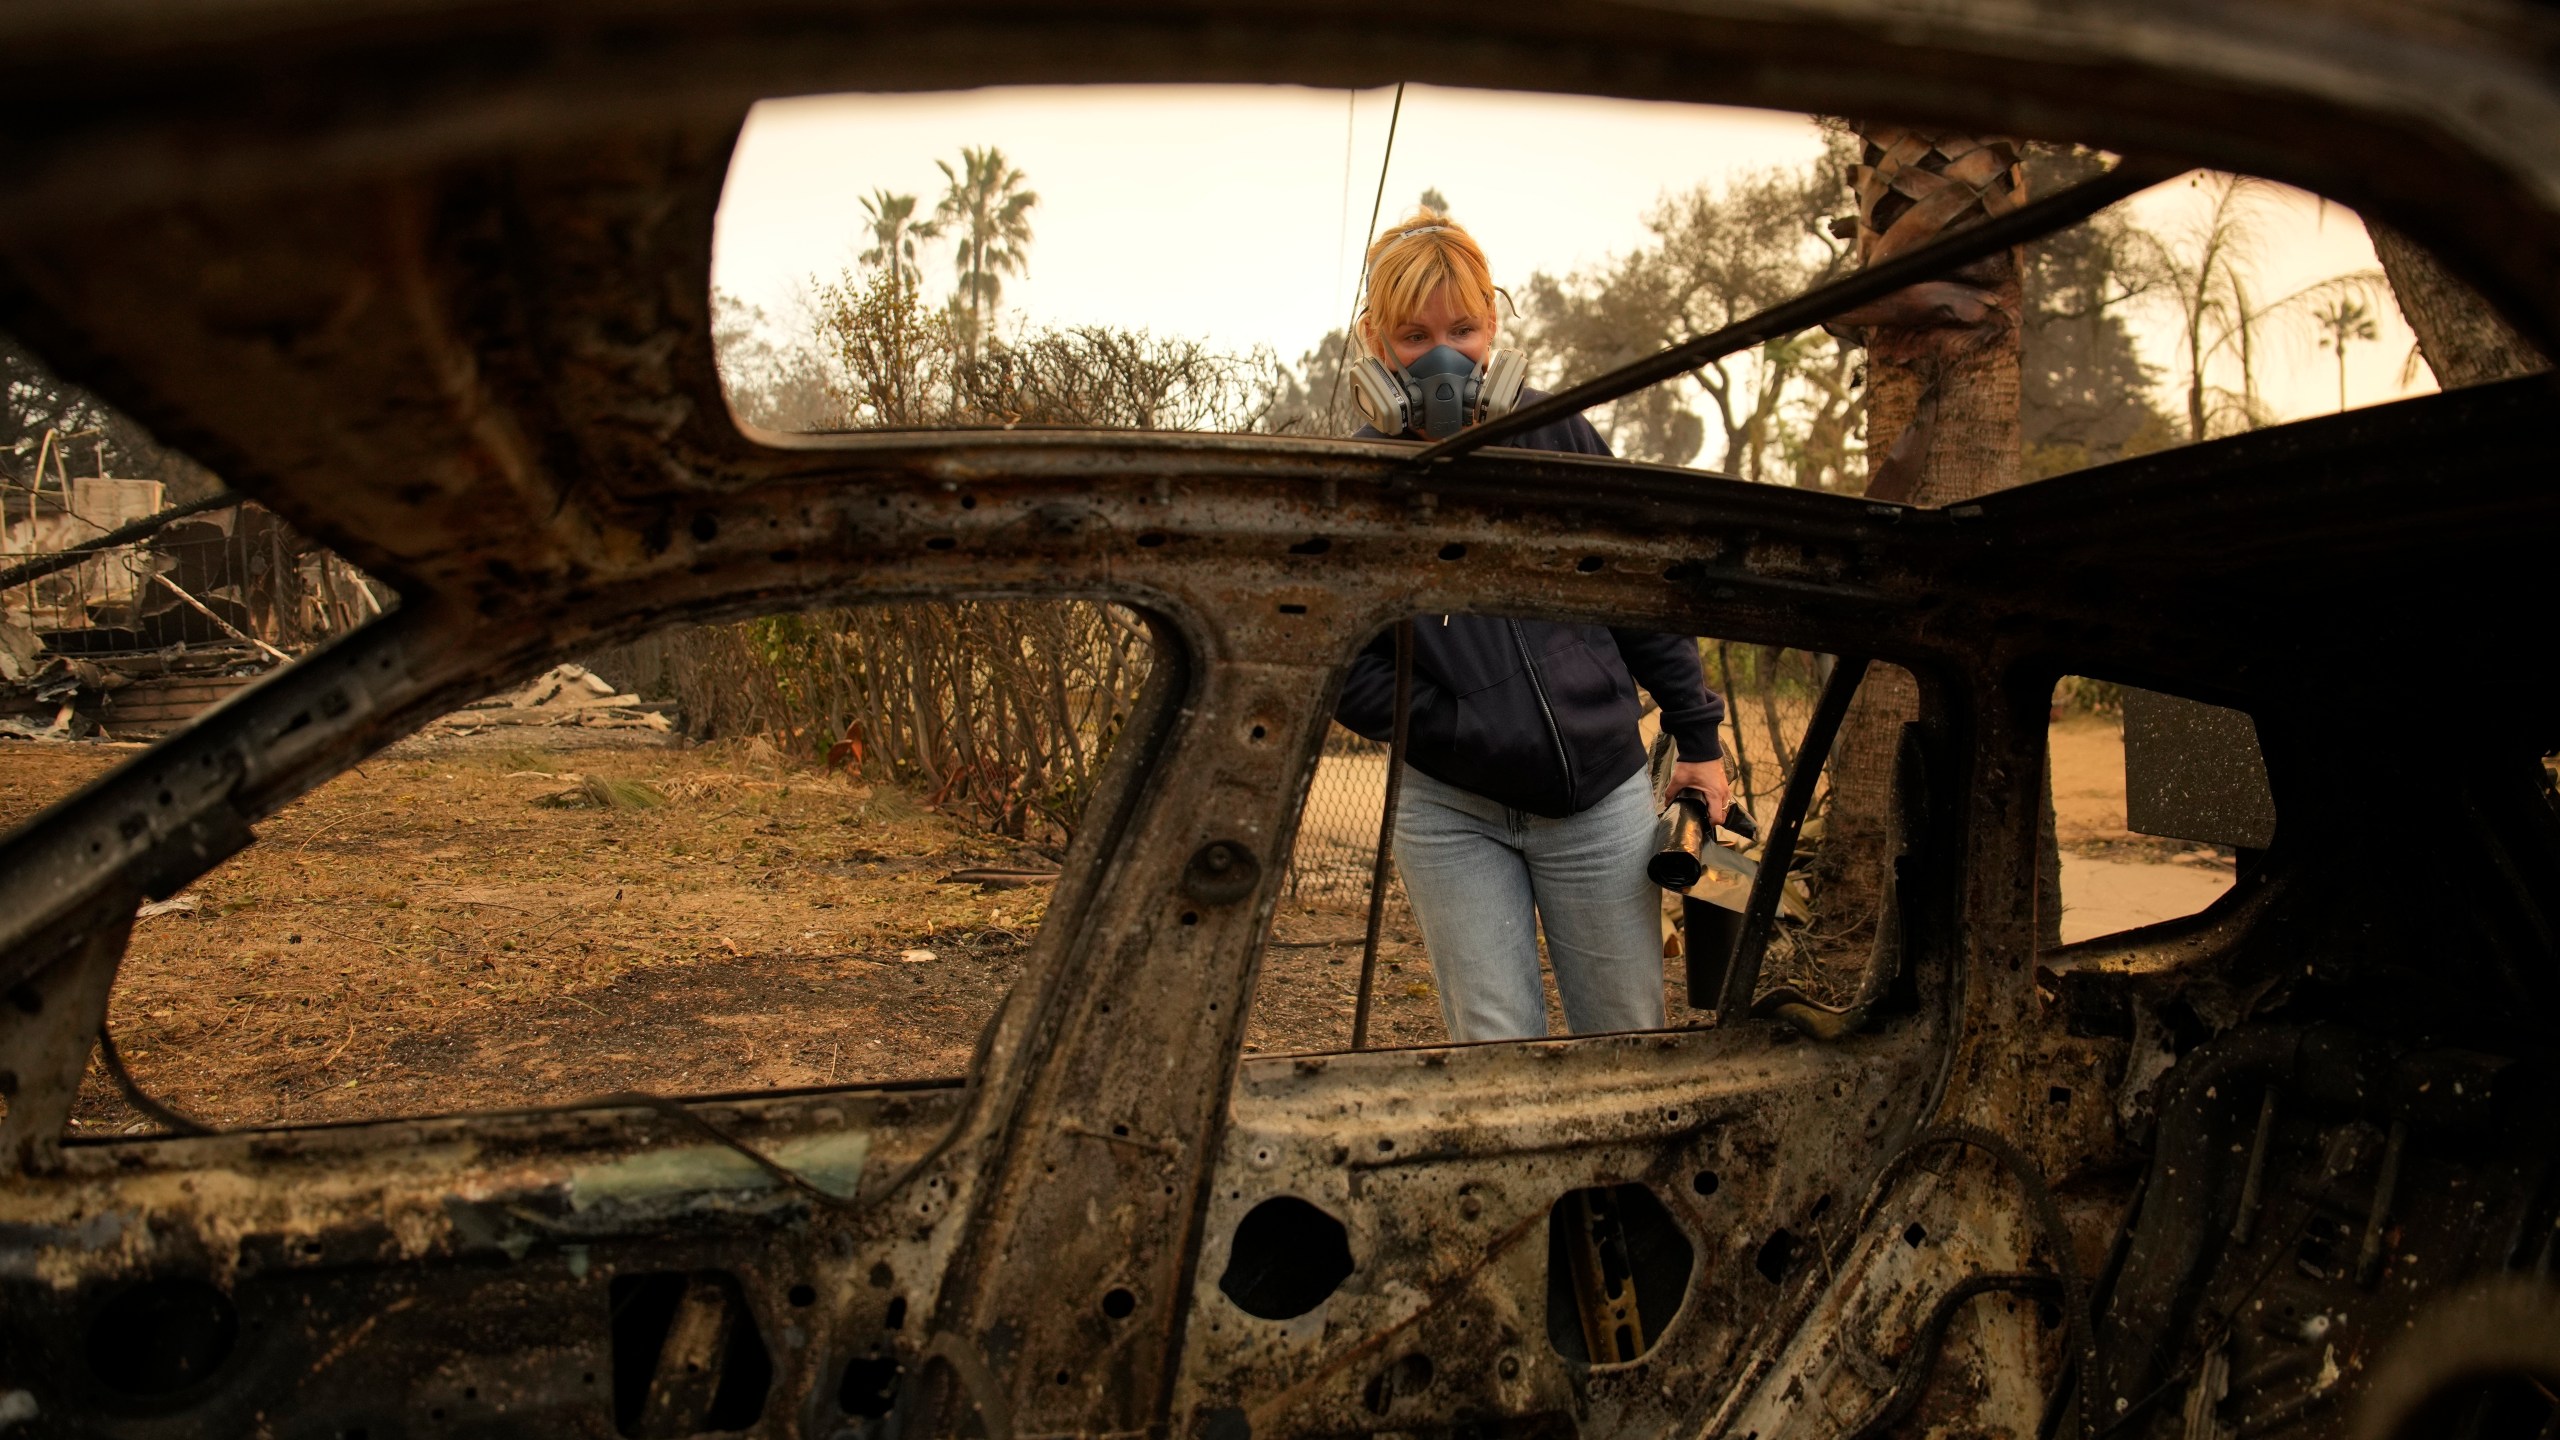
x=1413, y=260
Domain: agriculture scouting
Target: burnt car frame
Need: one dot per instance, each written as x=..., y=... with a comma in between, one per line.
x=431, y=281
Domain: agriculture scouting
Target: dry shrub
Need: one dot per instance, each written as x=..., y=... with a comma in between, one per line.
x=896, y=363
x=998, y=712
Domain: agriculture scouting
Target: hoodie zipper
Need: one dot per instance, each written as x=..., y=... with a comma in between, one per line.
x=1538, y=683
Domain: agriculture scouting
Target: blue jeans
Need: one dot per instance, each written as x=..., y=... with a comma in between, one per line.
x=1482, y=876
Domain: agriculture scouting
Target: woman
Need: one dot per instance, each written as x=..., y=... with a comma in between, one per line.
x=1526, y=800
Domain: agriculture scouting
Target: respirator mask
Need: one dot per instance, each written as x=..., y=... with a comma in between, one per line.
x=1441, y=393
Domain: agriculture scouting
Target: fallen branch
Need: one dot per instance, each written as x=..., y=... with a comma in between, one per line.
x=998, y=879
x=334, y=822
x=342, y=1046
x=226, y=626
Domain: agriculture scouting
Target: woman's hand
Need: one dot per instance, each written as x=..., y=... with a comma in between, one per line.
x=1707, y=778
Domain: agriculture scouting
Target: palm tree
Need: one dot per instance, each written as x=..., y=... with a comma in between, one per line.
x=2210, y=266
x=894, y=233
x=2210, y=281
x=1942, y=428
x=2343, y=321
x=987, y=214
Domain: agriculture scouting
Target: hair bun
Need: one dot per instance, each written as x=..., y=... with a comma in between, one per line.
x=1423, y=219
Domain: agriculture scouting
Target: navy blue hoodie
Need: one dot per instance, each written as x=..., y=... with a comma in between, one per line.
x=1537, y=715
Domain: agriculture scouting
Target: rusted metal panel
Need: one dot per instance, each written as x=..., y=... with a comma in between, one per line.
x=1444, y=1166
x=1063, y=1075
x=459, y=332
x=466, y=1267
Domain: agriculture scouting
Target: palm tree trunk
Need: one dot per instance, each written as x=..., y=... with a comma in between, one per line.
x=2464, y=341
x=1942, y=428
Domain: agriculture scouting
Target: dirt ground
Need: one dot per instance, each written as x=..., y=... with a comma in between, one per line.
x=509, y=919
x=534, y=916
x=2113, y=879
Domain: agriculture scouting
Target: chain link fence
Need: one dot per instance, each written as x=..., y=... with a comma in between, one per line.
x=1338, y=833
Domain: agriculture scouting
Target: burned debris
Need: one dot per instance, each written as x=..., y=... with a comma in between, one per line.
x=2283, y=1167
x=562, y=695
x=124, y=616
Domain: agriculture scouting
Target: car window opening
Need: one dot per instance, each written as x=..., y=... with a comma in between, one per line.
x=975, y=275
x=810, y=849
x=1515, y=766
x=2156, y=804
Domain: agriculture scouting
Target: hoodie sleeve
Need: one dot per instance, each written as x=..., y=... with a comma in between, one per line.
x=1668, y=669
x=1368, y=704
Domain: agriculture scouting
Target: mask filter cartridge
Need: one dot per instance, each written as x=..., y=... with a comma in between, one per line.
x=1441, y=393
x=1443, y=382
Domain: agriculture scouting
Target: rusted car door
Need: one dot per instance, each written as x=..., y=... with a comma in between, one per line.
x=433, y=285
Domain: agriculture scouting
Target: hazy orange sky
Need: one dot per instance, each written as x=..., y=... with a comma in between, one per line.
x=1238, y=213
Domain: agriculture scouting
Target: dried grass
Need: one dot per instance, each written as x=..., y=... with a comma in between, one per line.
x=601, y=792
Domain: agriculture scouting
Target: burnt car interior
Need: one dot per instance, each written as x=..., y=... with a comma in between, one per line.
x=431, y=283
